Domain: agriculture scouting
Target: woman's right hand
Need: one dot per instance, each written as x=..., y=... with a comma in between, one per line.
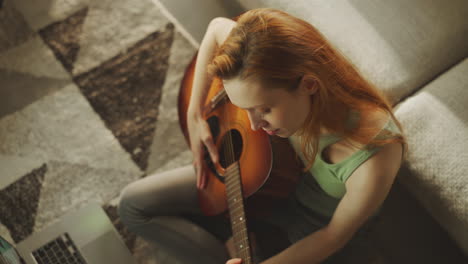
x=200, y=136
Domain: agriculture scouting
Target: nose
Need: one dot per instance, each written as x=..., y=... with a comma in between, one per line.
x=256, y=122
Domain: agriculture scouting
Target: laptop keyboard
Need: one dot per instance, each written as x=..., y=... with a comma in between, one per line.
x=61, y=250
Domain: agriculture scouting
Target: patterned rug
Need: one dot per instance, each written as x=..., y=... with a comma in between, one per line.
x=88, y=95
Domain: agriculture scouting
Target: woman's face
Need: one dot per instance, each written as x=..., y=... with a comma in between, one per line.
x=270, y=106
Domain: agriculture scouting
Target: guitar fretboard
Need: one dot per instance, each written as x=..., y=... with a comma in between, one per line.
x=237, y=214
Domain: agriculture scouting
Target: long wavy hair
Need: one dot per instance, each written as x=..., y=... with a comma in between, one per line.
x=272, y=45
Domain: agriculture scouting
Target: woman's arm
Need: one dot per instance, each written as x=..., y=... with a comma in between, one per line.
x=367, y=188
x=216, y=33
x=199, y=130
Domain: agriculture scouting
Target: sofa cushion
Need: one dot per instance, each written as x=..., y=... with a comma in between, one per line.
x=398, y=45
x=435, y=122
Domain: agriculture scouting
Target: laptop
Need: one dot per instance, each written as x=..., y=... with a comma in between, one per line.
x=86, y=236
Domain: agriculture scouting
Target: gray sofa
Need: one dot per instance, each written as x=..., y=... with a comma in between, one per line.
x=416, y=51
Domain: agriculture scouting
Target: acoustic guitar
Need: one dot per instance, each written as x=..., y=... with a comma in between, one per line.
x=255, y=171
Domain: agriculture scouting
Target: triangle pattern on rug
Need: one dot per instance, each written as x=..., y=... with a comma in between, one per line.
x=126, y=91
x=19, y=203
x=63, y=37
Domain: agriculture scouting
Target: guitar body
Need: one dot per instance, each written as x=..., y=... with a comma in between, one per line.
x=252, y=149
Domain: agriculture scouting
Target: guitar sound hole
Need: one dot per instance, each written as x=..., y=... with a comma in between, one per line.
x=230, y=152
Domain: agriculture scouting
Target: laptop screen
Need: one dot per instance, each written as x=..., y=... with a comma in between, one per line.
x=8, y=254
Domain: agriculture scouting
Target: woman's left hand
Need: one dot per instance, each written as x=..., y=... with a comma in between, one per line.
x=234, y=261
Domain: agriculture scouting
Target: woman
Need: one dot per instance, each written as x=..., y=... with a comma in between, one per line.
x=293, y=84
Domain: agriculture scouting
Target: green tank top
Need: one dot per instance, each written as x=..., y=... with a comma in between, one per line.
x=323, y=187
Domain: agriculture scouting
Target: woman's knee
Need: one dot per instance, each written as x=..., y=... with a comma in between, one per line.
x=169, y=193
x=129, y=211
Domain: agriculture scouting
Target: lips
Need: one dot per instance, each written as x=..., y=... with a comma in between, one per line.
x=273, y=132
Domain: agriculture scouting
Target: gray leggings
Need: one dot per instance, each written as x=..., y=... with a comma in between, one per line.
x=152, y=208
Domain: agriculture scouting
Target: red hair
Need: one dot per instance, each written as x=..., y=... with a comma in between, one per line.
x=270, y=44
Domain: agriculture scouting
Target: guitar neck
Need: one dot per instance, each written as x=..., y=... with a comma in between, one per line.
x=237, y=213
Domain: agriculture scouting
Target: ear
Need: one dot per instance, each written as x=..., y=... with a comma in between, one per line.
x=308, y=85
